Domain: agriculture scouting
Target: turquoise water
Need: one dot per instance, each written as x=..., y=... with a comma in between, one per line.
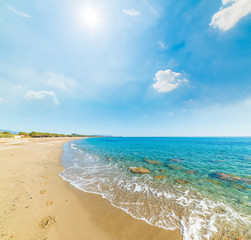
x=204, y=189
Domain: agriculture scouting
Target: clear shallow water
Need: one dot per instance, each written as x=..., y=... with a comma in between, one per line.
x=194, y=196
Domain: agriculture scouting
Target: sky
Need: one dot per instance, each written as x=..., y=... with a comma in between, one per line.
x=126, y=68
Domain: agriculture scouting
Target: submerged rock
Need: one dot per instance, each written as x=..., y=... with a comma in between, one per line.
x=212, y=181
x=191, y=171
x=152, y=161
x=227, y=177
x=161, y=170
x=239, y=187
x=230, y=178
x=181, y=181
x=160, y=176
x=174, y=167
x=138, y=170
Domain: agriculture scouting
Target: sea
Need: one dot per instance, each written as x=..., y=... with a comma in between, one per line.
x=199, y=185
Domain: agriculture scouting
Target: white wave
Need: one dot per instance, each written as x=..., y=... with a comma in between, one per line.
x=196, y=217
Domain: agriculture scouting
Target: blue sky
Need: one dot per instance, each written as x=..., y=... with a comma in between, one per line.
x=126, y=68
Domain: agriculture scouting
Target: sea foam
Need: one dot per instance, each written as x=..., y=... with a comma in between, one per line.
x=154, y=201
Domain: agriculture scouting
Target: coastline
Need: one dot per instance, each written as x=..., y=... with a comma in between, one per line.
x=30, y=166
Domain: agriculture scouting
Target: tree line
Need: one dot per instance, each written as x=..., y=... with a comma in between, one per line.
x=34, y=134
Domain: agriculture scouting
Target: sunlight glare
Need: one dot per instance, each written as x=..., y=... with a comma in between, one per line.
x=91, y=18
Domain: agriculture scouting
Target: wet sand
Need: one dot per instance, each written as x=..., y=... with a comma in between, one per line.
x=35, y=203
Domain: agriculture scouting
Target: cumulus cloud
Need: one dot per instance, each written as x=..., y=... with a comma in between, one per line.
x=42, y=95
x=166, y=81
x=230, y=13
x=131, y=12
x=60, y=81
x=21, y=14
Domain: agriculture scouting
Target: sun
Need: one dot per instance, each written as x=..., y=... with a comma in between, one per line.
x=91, y=18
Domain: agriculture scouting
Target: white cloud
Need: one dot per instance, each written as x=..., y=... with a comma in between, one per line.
x=162, y=45
x=167, y=80
x=230, y=13
x=131, y=12
x=60, y=81
x=40, y=95
x=21, y=14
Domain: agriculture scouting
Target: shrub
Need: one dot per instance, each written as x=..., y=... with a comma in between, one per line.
x=6, y=134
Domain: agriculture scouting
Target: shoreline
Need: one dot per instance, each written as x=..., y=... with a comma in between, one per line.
x=38, y=204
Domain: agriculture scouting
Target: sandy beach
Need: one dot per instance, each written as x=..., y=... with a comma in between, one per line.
x=35, y=203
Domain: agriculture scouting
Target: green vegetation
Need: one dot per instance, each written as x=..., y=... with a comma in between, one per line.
x=24, y=134
x=39, y=134
x=33, y=134
x=6, y=134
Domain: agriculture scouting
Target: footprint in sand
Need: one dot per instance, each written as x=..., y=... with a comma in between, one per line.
x=42, y=191
x=49, y=203
x=47, y=222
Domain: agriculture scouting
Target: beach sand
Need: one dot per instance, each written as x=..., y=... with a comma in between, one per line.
x=35, y=203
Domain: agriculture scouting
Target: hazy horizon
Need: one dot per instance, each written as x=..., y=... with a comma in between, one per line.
x=109, y=135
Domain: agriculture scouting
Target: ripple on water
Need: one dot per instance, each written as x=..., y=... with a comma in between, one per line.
x=189, y=198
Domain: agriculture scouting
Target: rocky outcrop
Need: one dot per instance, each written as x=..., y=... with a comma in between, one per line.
x=139, y=170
